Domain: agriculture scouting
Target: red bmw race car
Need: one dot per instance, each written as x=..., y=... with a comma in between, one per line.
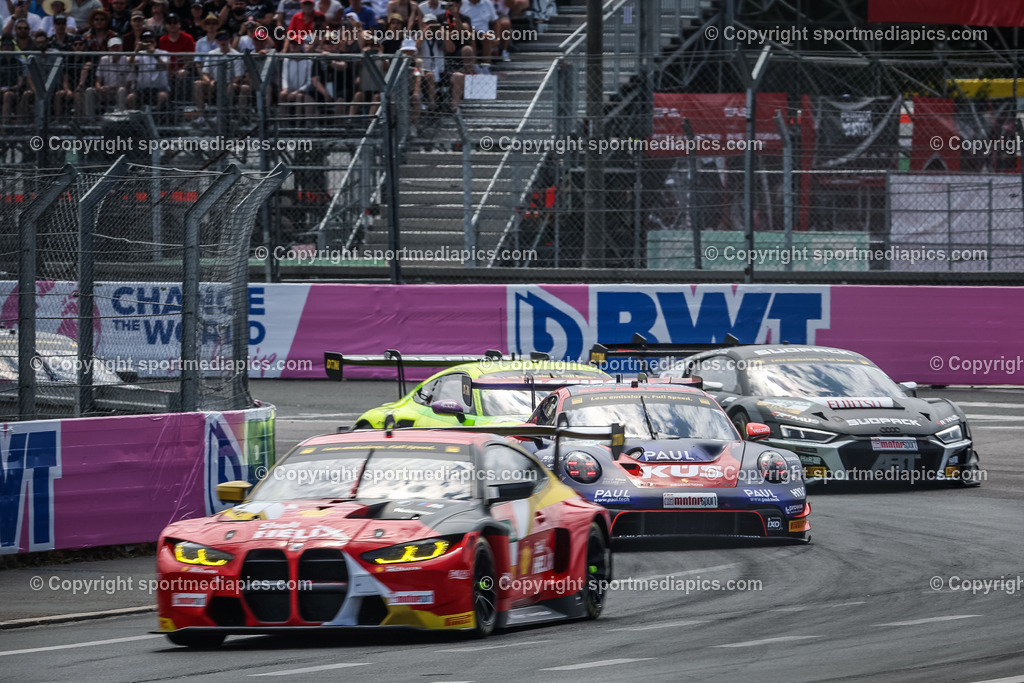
x=415, y=528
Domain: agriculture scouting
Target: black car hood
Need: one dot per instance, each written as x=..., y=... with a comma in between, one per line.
x=865, y=415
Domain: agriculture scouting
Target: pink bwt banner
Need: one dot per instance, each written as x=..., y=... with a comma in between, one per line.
x=88, y=482
x=931, y=335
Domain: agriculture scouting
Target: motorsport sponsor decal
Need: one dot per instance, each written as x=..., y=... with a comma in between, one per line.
x=566, y=328
x=292, y=531
x=784, y=350
x=797, y=418
x=543, y=558
x=948, y=420
x=793, y=509
x=606, y=496
x=882, y=443
x=883, y=421
x=690, y=501
x=459, y=619
x=798, y=492
x=411, y=598
x=458, y=574
x=761, y=495
x=188, y=600
x=683, y=471
x=773, y=524
x=856, y=402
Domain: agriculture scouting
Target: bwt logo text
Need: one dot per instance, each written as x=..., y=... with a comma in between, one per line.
x=565, y=324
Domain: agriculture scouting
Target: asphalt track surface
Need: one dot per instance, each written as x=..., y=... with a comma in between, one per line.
x=858, y=603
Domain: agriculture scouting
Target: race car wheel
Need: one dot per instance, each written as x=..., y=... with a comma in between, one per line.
x=598, y=572
x=362, y=424
x=201, y=641
x=485, y=590
x=740, y=419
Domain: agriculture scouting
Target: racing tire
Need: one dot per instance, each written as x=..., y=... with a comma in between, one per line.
x=485, y=591
x=597, y=573
x=198, y=641
x=740, y=420
x=362, y=424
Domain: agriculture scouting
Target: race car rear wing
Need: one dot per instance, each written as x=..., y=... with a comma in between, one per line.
x=643, y=351
x=532, y=384
x=334, y=362
x=614, y=433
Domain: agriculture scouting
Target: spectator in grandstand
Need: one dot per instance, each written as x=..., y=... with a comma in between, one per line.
x=120, y=17
x=459, y=44
x=332, y=11
x=367, y=90
x=181, y=8
x=380, y=9
x=435, y=7
x=56, y=8
x=208, y=42
x=431, y=49
x=303, y=24
x=410, y=50
x=286, y=9
x=233, y=16
x=333, y=80
x=113, y=78
x=251, y=40
x=138, y=25
x=367, y=17
x=408, y=10
x=149, y=82
x=21, y=13
x=295, y=83
x=194, y=25
x=81, y=10
x=489, y=29
x=22, y=35
x=13, y=81
x=508, y=11
x=99, y=32
x=61, y=38
x=78, y=76
x=233, y=70
x=179, y=69
x=391, y=38
x=157, y=21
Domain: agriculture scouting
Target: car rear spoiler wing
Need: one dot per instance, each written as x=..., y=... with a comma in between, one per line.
x=533, y=384
x=334, y=362
x=614, y=433
x=642, y=350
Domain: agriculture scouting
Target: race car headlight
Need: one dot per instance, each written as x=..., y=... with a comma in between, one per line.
x=951, y=434
x=415, y=551
x=582, y=467
x=773, y=467
x=805, y=434
x=194, y=553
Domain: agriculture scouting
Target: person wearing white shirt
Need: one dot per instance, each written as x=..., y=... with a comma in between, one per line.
x=56, y=8
x=296, y=73
x=492, y=30
x=21, y=12
x=380, y=8
x=206, y=86
x=150, y=85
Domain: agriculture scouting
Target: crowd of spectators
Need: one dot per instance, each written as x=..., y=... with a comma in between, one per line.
x=169, y=54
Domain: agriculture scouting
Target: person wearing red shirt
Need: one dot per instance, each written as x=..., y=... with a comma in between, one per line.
x=179, y=70
x=303, y=23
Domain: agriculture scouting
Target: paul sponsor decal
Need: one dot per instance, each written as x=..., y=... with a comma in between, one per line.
x=605, y=496
x=690, y=501
x=761, y=495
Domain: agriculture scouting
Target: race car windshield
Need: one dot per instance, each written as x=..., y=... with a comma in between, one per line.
x=820, y=380
x=663, y=420
x=496, y=402
x=404, y=478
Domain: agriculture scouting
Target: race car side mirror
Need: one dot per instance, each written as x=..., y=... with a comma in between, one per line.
x=233, y=491
x=502, y=493
x=757, y=431
x=449, y=407
x=909, y=388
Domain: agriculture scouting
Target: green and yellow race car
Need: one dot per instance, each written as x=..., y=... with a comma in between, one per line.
x=471, y=390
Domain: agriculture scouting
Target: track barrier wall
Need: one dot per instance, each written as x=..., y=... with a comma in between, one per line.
x=101, y=481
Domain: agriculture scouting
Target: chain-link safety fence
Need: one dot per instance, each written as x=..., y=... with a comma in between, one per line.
x=729, y=141
x=125, y=289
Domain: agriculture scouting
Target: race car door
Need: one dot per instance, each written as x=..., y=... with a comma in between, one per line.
x=532, y=522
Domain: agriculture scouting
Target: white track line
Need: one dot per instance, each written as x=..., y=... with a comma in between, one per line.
x=664, y=624
x=479, y=648
x=69, y=646
x=930, y=620
x=768, y=641
x=311, y=669
x=591, y=665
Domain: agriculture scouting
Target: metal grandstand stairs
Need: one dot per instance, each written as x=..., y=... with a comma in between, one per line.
x=431, y=214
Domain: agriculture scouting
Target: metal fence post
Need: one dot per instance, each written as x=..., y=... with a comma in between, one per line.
x=27, y=290
x=469, y=237
x=787, y=186
x=696, y=224
x=241, y=223
x=190, y=286
x=87, y=209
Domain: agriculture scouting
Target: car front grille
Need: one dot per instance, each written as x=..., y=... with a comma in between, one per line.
x=688, y=523
x=322, y=585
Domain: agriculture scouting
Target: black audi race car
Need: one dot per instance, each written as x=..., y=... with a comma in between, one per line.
x=683, y=469
x=838, y=411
